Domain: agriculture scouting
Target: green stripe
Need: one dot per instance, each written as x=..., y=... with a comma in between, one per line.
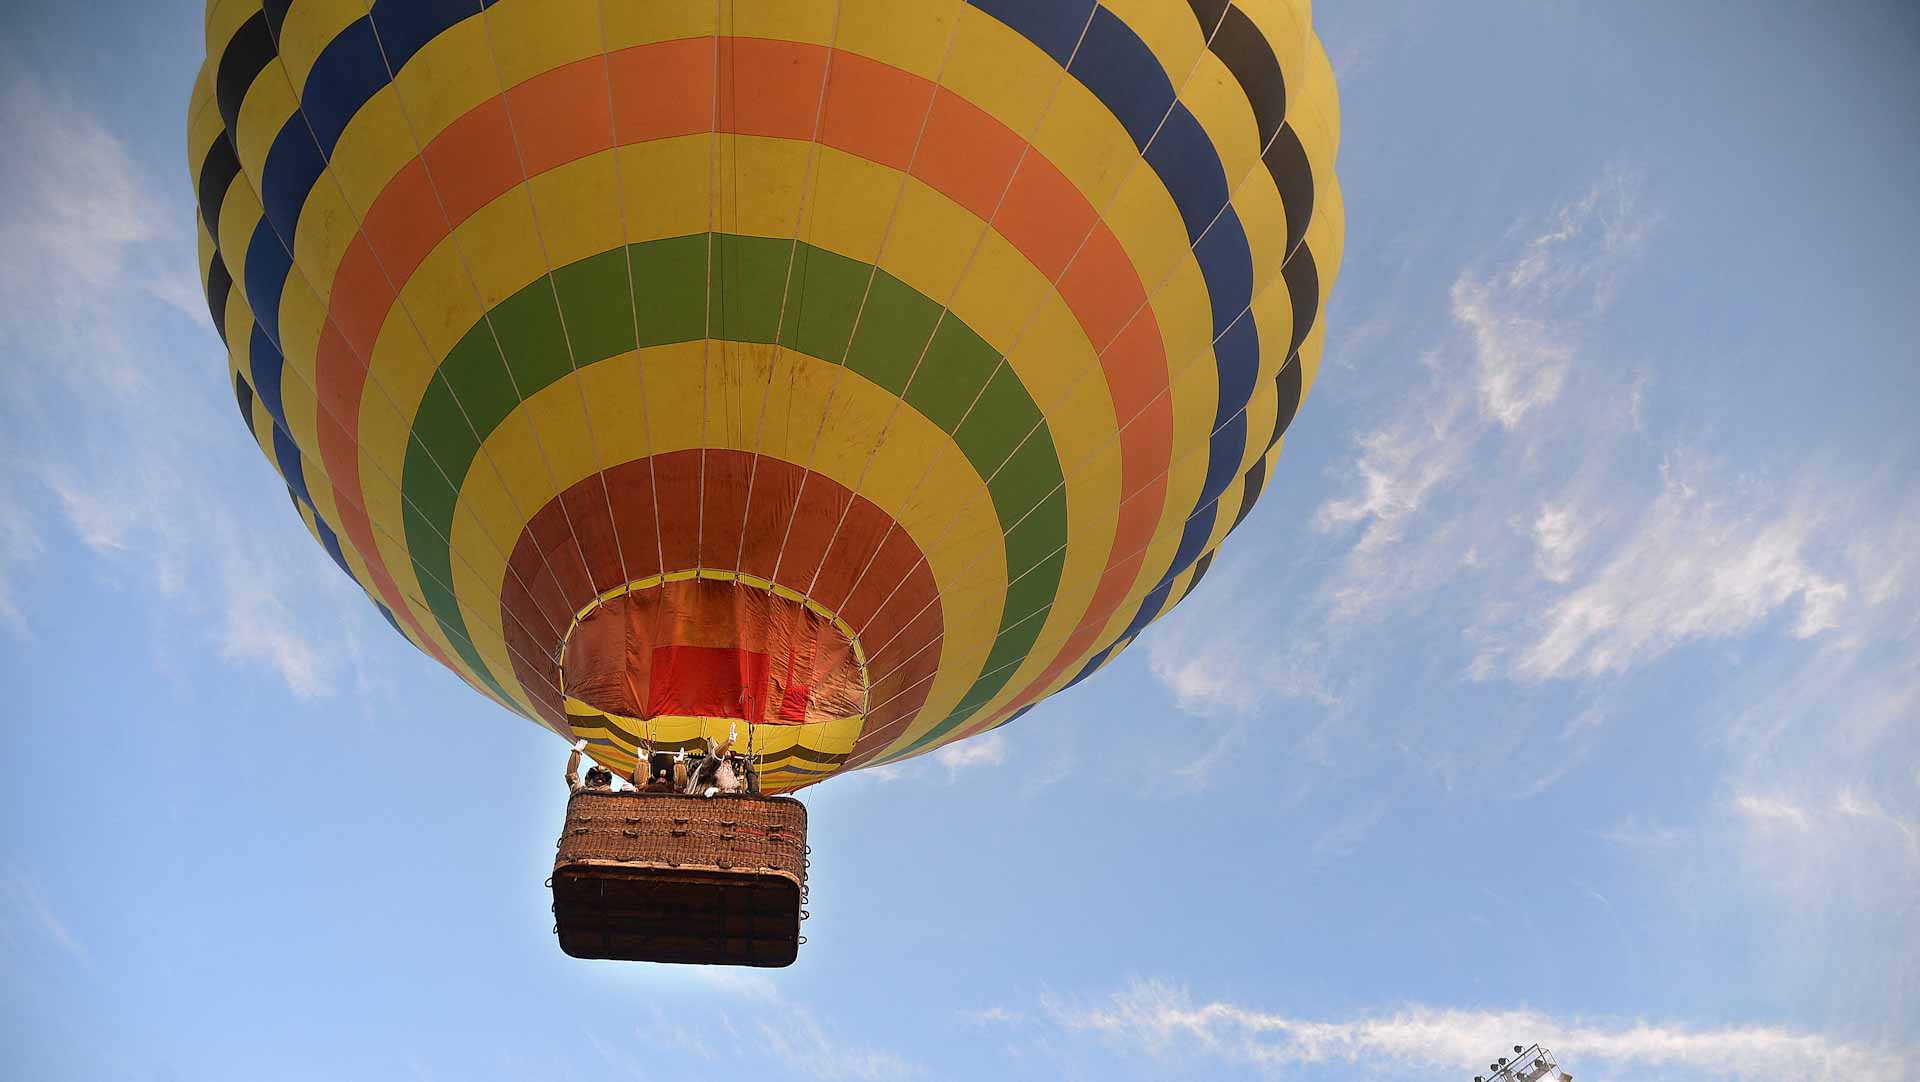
x=824, y=300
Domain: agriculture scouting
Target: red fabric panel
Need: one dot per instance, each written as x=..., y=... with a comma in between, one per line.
x=714, y=648
x=793, y=705
x=811, y=674
x=708, y=682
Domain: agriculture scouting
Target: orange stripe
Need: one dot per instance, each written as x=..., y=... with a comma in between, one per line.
x=872, y=111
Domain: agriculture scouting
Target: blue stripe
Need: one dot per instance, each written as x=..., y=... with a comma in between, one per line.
x=1237, y=356
x=1122, y=72
x=287, y=455
x=293, y=166
x=1053, y=25
x=267, y=267
x=1221, y=473
x=264, y=364
x=1190, y=167
x=407, y=25
x=329, y=540
x=347, y=73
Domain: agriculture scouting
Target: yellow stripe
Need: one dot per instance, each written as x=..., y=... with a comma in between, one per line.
x=673, y=379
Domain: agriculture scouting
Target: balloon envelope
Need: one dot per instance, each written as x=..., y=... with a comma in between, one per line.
x=848, y=375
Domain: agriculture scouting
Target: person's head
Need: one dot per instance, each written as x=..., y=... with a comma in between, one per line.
x=599, y=777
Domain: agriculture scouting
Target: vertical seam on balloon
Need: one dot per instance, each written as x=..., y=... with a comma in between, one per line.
x=1006, y=665
x=786, y=289
x=1033, y=314
x=566, y=336
x=1180, y=460
x=986, y=227
x=846, y=352
x=386, y=395
x=774, y=348
x=876, y=756
x=1277, y=276
x=707, y=290
x=633, y=303
x=413, y=324
x=466, y=265
x=633, y=308
x=1040, y=303
x=373, y=524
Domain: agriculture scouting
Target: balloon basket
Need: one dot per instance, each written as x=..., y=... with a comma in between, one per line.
x=658, y=877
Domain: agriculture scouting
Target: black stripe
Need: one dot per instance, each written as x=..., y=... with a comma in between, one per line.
x=276, y=12
x=1286, y=162
x=1288, y=387
x=219, y=288
x=216, y=176
x=1303, y=287
x=1256, y=480
x=811, y=756
x=246, y=55
x=1208, y=13
x=1200, y=571
x=1244, y=50
x=243, y=394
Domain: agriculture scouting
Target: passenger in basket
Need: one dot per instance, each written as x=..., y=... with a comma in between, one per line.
x=720, y=776
x=598, y=777
x=661, y=780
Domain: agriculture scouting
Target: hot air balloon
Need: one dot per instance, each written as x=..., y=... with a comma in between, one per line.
x=848, y=374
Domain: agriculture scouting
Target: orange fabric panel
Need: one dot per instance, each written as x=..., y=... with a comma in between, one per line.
x=714, y=648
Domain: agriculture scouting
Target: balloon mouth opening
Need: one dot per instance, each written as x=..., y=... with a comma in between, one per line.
x=674, y=662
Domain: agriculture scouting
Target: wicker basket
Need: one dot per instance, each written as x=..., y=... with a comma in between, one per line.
x=660, y=877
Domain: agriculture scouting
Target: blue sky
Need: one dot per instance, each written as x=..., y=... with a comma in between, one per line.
x=1581, y=613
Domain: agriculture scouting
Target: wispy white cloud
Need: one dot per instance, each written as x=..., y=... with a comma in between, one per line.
x=1419, y=487
x=784, y=1034
x=35, y=911
x=121, y=429
x=1200, y=680
x=994, y=1015
x=1848, y=830
x=20, y=545
x=806, y=1049
x=1560, y=533
x=79, y=224
x=1771, y=813
x=750, y=985
x=1521, y=544
x=1635, y=833
x=1163, y=1019
x=1200, y=771
x=989, y=749
x=1689, y=569
x=83, y=208
x=260, y=630
x=1400, y=466
x=1520, y=362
